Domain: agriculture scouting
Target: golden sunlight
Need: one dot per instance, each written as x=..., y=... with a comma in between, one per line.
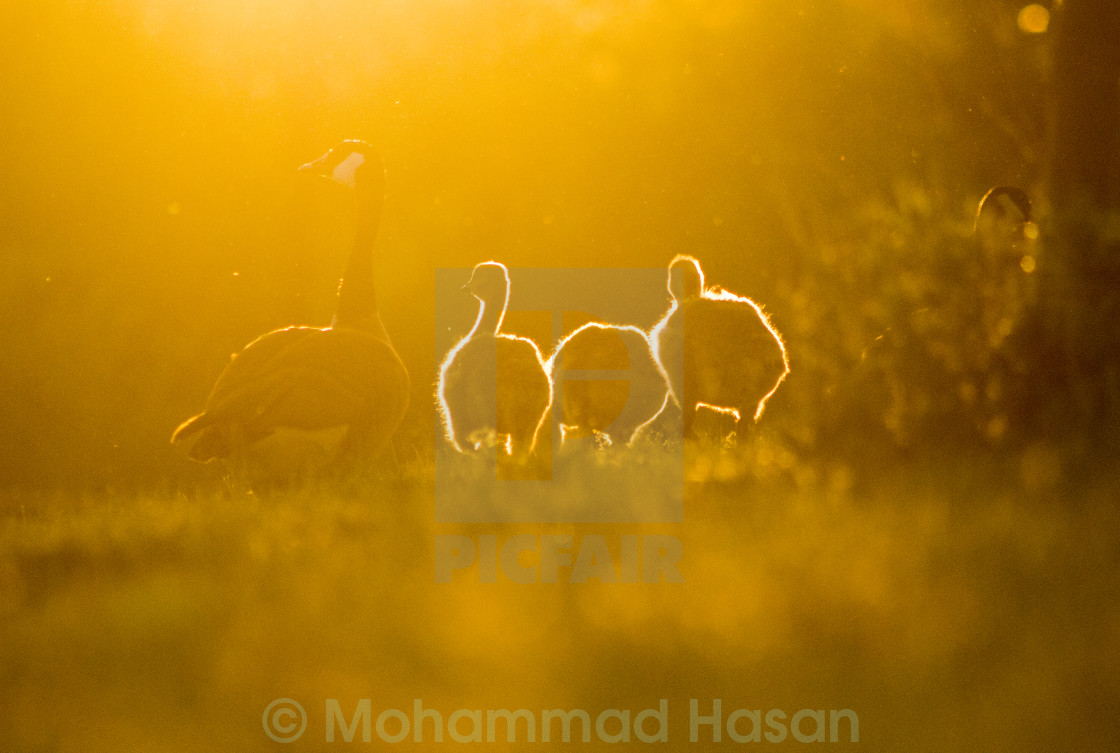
x=545, y=484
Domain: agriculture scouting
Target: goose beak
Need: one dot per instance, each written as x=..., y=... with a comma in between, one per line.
x=315, y=167
x=466, y=288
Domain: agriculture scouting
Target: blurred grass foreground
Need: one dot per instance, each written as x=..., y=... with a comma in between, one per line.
x=943, y=604
x=922, y=528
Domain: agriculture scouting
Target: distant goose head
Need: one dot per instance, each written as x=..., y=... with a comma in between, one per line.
x=489, y=283
x=1003, y=204
x=686, y=279
x=1003, y=222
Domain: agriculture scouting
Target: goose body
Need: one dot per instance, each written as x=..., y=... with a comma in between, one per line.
x=493, y=386
x=716, y=349
x=616, y=409
x=317, y=384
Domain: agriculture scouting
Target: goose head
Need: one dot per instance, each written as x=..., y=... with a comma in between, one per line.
x=686, y=279
x=353, y=164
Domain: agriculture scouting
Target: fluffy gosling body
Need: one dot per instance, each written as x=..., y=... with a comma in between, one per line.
x=716, y=349
x=493, y=387
x=601, y=407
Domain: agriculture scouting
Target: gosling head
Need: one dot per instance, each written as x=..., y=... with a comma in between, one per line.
x=354, y=164
x=686, y=279
x=489, y=282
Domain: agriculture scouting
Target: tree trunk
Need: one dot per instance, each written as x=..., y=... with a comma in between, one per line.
x=1085, y=147
x=1083, y=240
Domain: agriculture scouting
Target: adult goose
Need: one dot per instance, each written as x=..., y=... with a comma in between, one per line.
x=295, y=386
x=716, y=349
x=493, y=387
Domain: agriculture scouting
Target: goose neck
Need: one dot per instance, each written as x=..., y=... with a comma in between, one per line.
x=490, y=315
x=357, y=297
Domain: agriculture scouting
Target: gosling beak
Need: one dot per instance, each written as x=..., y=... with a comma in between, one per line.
x=466, y=288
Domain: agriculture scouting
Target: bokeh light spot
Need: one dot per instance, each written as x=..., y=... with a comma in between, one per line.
x=1034, y=19
x=1027, y=264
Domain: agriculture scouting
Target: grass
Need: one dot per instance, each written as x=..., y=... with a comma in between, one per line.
x=955, y=605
